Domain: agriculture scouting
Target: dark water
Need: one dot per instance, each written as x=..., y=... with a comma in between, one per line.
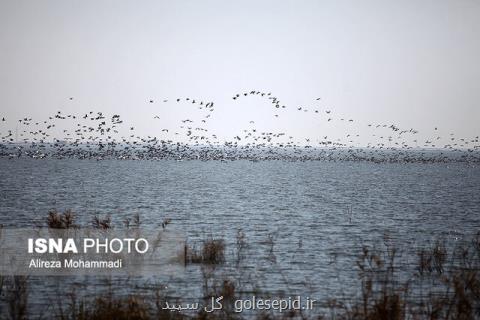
x=318, y=214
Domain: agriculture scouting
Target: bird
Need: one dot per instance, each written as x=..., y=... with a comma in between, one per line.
x=98, y=133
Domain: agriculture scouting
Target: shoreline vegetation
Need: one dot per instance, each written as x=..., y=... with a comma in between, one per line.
x=444, y=283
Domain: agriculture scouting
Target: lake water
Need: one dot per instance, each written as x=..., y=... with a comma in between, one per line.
x=317, y=214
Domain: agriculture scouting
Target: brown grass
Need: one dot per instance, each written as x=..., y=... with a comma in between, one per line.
x=131, y=307
x=65, y=220
x=211, y=252
x=102, y=223
x=381, y=296
x=135, y=222
x=451, y=278
x=16, y=297
x=432, y=259
x=444, y=284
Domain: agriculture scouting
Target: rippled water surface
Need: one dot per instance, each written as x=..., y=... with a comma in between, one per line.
x=318, y=214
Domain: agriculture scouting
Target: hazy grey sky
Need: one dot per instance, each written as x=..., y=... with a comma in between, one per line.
x=412, y=63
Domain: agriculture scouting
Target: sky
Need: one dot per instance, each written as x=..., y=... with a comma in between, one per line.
x=409, y=63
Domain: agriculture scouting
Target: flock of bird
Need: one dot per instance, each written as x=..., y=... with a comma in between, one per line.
x=100, y=136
